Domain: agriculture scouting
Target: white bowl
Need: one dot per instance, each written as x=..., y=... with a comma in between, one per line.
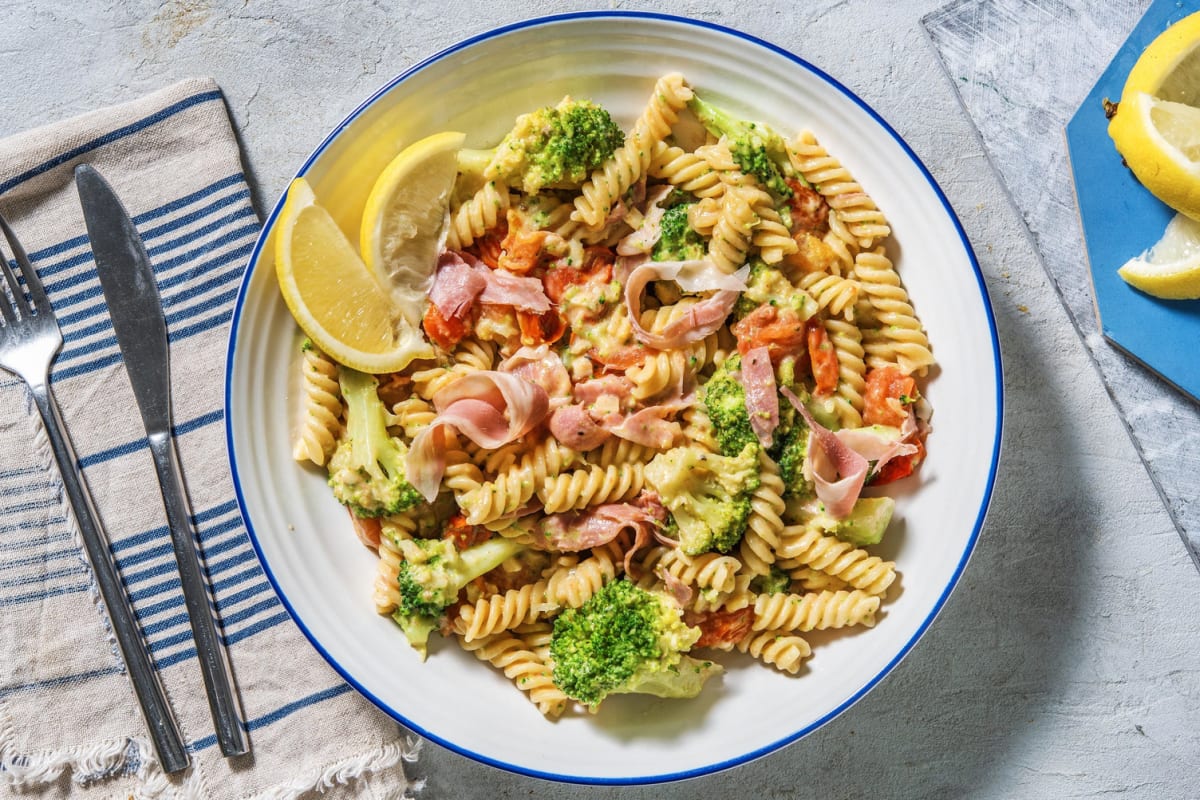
x=324, y=576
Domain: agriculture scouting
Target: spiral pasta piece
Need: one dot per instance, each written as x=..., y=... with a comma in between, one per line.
x=479, y=214
x=387, y=569
x=688, y=171
x=846, y=197
x=515, y=486
x=500, y=612
x=808, y=546
x=786, y=652
x=413, y=415
x=572, y=586
x=809, y=579
x=619, y=451
x=658, y=373
x=711, y=571
x=623, y=169
x=591, y=486
x=321, y=414
x=698, y=428
x=761, y=540
x=731, y=235
x=770, y=235
x=816, y=611
x=836, y=295
x=900, y=338
x=846, y=339
x=529, y=672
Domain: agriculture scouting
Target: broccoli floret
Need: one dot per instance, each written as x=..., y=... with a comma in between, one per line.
x=556, y=146
x=626, y=640
x=757, y=149
x=724, y=400
x=708, y=495
x=432, y=574
x=789, y=452
x=766, y=284
x=678, y=241
x=366, y=471
x=774, y=582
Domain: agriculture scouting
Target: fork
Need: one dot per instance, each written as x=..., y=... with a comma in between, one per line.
x=29, y=341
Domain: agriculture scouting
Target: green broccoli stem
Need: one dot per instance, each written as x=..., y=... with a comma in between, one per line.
x=484, y=557
x=366, y=420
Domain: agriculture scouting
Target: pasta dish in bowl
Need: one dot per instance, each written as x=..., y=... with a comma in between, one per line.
x=658, y=447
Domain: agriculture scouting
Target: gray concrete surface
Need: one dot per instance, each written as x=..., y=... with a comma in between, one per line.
x=1066, y=663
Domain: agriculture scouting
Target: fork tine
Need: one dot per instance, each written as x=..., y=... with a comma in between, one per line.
x=5, y=308
x=18, y=303
x=36, y=292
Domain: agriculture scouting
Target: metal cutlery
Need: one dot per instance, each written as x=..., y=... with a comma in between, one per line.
x=131, y=292
x=29, y=341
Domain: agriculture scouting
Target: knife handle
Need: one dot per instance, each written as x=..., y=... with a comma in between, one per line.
x=164, y=731
x=201, y=610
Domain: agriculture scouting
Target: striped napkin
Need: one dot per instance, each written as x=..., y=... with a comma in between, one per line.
x=69, y=723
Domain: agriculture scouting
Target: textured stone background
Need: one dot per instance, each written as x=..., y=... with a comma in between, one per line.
x=1066, y=664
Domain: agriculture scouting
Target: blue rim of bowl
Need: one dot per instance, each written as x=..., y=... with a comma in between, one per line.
x=983, y=507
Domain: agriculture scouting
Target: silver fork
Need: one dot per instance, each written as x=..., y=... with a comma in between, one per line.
x=29, y=340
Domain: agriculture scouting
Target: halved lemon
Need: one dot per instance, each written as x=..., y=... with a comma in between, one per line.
x=404, y=221
x=1155, y=125
x=335, y=299
x=1171, y=268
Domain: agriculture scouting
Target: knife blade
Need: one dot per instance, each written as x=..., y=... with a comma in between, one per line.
x=131, y=292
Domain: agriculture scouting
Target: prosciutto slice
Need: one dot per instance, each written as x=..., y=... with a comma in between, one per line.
x=649, y=426
x=461, y=279
x=877, y=443
x=489, y=408
x=692, y=276
x=837, y=472
x=542, y=366
x=456, y=284
x=762, y=401
x=573, y=426
x=580, y=530
x=642, y=240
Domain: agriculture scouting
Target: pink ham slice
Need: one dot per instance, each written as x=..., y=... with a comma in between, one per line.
x=461, y=279
x=692, y=276
x=542, y=366
x=489, y=408
x=837, y=472
x=762, y=401
x=876, y=446
x=455, y=285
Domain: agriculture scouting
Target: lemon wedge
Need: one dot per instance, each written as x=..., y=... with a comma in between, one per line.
x=1156, y=127
x=404, y=221
x=1171, y=268
x=334, y=298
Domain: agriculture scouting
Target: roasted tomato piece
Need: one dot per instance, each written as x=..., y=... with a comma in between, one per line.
x=902, y=466
x=464, y=535
x=522, y=250
x=723, y=627
x=824, y=360
x=489, y=248
x=537, y=329
x=597, y=266
x=889, y=392
x=442, y=331
x=809, y=210
x=780, y=330
x=368, y=529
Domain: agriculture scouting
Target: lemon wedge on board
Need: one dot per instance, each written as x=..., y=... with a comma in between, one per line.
x=334, y=298
x=1171, y=268
x=1156, y=127
x=404, y=220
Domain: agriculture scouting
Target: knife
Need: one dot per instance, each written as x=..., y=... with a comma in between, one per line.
x=131, y=292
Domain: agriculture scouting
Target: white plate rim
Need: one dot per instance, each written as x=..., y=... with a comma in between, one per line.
x=996, y=364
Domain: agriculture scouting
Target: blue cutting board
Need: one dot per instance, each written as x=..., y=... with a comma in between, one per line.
x=1121, y=220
